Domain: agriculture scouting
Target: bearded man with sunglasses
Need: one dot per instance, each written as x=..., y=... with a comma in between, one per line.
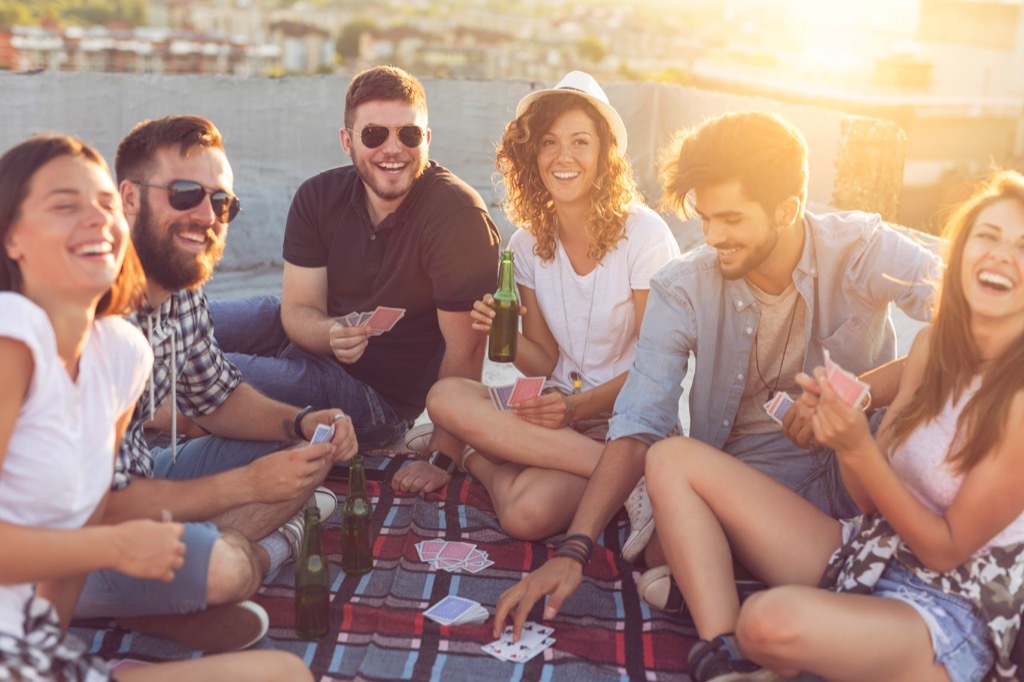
x=393, y=229
x=240, y=490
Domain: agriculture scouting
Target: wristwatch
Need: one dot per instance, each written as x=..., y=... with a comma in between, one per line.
x=442, y=461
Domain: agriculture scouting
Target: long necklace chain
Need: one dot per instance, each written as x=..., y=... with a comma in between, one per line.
x=577, y=374
x=757, y=361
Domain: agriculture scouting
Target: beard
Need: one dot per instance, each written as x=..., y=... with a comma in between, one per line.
x=162, y=260
x=755, y=256
x=388, y=191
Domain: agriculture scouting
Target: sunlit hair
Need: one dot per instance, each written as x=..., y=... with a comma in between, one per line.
x=383, y=83
x=136, y=154
x=953, y=356
x=766, y=154
x=526, y=200
x=18, y=166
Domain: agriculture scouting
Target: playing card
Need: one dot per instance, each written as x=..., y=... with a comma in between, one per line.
x=361, y=319
x=778, y=406
x=533, y=639
x=323, y=434
x=477, y=567
x=384, y=319
x=456, y=550
x=429, y=549
x=449, y=609
x=500, y=396
x=526, y=388
x=848, y=387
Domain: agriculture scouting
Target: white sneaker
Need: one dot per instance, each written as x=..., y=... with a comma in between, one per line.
x=295, y=527
x=641, y=521
x=417, y=439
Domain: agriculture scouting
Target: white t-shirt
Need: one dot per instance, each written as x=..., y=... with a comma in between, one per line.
x=60, y=458
x=597, y=332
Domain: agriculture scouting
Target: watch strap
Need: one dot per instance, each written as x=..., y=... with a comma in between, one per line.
x=442, y=461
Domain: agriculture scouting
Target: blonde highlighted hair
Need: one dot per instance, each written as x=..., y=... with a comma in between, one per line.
x=526, y=200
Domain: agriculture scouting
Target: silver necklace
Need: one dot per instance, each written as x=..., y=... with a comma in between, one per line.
x=576, y=375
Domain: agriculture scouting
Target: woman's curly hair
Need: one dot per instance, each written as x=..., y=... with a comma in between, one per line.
x=526, y=200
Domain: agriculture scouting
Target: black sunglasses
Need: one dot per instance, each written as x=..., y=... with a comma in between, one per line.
x=374, y=136
x=184, y=195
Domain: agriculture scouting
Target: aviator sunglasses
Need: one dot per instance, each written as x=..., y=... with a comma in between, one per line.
x=374, y=136
x=184, y=195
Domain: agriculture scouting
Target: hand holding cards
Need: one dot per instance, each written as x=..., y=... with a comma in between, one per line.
x=848, y=387
x=381, y=320
x=507, y=397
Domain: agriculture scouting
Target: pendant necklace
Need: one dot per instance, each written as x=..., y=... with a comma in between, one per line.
x=757, y=363
x=576, y=375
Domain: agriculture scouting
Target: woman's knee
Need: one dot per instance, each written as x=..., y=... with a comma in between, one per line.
x=771, y=621
x=445, y=398
x=527, y=521
x=669, y=462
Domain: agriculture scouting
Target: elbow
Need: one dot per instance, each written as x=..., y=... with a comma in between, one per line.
x=940, y=560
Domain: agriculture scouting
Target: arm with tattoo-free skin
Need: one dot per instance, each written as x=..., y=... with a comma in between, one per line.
x=620, y=467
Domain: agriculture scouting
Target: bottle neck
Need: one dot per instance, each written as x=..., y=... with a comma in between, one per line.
x=311, y=532
x=506, y=275
x=357, y=477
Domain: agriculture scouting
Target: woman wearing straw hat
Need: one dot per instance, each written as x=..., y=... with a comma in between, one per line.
x=584, y=252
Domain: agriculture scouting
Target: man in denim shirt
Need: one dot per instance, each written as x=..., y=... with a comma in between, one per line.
x=772, y=289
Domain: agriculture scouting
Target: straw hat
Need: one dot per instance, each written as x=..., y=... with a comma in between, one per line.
x=584, y=85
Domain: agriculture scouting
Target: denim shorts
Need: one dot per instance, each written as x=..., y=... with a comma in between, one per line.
x=960, y=636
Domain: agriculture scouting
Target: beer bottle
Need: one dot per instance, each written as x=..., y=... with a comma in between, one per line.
x=311, y=581
x=501, y=346
x=356, y=522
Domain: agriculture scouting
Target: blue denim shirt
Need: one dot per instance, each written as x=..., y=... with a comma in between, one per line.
x=852, y=267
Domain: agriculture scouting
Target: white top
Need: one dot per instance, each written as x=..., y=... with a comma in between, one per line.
x=600, y=342
x=60, y=458
x=920, y=462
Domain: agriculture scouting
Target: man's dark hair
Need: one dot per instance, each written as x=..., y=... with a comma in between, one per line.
x=136, y=151
x=767, y=155
x=383, y=83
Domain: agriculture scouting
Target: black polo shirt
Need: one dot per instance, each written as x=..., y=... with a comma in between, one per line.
x=438, y=251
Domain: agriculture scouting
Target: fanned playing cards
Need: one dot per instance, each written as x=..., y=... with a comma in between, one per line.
x=453, y=556
x=506, y=397
x=381, y=320
x=848, y=387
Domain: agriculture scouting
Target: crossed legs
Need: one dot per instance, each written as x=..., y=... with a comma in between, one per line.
x=709, y=508
x=534, y=475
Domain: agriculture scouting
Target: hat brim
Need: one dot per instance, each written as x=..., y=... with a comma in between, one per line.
x=618, y=128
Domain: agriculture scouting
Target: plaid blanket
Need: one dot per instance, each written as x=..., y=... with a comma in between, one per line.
x=378, y=631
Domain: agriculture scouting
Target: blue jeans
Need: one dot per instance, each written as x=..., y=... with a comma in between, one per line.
x=108, y=594
x=249, y=330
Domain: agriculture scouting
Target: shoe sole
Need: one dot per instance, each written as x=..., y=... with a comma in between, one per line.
x=637, y=541
x=218, y=629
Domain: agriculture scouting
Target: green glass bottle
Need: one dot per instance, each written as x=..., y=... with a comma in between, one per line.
x=357, y=522
x=312, y=581
x=501, y=346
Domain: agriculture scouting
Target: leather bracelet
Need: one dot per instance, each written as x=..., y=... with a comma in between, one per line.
x=297, y=426
x=577, y=547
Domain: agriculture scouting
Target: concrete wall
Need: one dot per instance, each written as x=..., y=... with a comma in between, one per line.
x=278, y=132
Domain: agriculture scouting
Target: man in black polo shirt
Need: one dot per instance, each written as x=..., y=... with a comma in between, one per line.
x=392, y=229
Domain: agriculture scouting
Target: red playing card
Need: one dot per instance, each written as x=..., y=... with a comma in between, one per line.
x=526, y=388
x=384, y=319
